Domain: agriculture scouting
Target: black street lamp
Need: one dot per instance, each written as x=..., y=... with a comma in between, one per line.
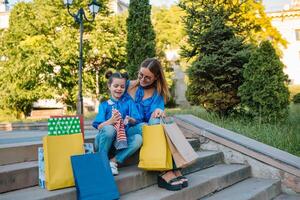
x=79, y=18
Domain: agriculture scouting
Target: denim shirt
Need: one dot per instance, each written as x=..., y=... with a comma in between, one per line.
x=124, y=105
x=146, y=106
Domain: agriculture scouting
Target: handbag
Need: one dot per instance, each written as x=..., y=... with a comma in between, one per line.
x=57, y=153
x=155, y=154
x=93, y=177
x=182, y=152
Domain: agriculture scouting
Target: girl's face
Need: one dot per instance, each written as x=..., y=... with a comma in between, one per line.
x=146, y=77
x=117, y=88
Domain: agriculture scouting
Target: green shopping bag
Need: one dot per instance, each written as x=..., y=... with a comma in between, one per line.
x=64, y=125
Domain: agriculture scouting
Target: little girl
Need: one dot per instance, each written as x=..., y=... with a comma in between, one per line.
x=116, y=121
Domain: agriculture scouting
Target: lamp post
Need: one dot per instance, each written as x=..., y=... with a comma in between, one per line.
x=79, y=18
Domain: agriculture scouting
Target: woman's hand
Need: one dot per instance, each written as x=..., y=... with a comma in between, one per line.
x=129, y=120
x=158, y=113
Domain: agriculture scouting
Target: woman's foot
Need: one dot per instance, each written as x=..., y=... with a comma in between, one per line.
x=169, y=181
x=183, y=179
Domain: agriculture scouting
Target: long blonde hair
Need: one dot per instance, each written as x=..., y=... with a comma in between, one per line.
x=161, y=84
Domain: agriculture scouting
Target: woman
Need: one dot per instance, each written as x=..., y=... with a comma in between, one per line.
x=150, y=93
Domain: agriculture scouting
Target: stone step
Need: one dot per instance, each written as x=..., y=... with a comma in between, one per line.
x=27, y=151
x=130, y=179
x=288, y=197
x=249, y=189
x=23, y=152
x=20, y=175
x=201, y=183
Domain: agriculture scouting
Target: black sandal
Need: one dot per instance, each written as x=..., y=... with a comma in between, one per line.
x=162, y=183
x=184, y=181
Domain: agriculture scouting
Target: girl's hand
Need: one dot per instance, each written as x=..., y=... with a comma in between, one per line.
x=158, y=113
x=114, y=117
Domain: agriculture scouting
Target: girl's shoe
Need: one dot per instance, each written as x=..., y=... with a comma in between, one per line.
x=169, y=185
x=114, y=168
x=184, y=181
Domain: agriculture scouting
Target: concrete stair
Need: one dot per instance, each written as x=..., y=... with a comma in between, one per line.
x=130, y=179
x=201, y=183
x=17, y=174
x=251, y=188
x=209, y=179
x=287, y=197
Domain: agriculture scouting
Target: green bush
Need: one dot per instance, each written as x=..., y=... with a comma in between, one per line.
x=264, y=92
x=296, y=98
x=218, y=57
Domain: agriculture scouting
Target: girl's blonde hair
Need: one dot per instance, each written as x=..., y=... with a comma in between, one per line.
x=155, y=68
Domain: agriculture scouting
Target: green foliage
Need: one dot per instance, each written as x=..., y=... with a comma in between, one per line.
x=217, y=57
x=108, y=51
x=170, y=33
x=296, y=98
x=264, y=91
x=252, y=23
x=169, y=28
x=40, y=48
x=140, y=35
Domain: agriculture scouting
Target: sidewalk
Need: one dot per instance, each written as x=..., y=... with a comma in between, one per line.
x=20, y=136
x=16, y=126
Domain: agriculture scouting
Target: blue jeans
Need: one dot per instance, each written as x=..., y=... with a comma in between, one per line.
x=107, y=136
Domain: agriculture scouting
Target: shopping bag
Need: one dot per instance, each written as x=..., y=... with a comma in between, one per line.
x=57, y=153
x=88, y=148
x=182, y=152
x=66, y=124
x=93, y=177
x=41, y=164
x=155, y=154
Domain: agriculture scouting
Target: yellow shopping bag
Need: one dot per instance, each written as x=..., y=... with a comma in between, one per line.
x=57, y=153
x=155, y=154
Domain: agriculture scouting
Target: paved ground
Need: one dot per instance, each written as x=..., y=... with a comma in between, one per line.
x=9, y=137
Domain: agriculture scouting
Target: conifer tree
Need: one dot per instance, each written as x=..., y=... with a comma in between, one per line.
x=264, y=91
x=217, y=55
x=140, y=35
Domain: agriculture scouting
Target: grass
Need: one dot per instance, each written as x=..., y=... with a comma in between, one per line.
x=284, y=136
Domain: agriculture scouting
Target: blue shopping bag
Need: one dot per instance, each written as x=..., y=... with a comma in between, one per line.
x=93, y=177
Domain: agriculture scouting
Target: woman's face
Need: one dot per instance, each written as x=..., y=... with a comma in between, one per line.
x=146, y=77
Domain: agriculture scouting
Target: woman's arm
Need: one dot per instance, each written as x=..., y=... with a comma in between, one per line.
x=158, y=107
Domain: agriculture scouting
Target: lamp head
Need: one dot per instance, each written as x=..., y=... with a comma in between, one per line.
x=68, y=2
x=94, y=7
